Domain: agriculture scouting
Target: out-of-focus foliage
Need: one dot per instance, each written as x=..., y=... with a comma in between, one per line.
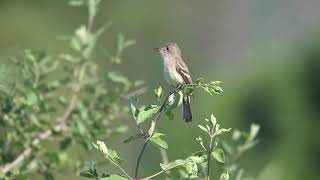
x=266, y=52
x=64, y=98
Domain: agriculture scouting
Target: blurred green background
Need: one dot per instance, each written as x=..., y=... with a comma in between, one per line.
x=267, y=53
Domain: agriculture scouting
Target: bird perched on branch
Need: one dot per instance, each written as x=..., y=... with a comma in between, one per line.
x=176, y=73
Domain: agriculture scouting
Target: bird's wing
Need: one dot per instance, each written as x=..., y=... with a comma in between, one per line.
x=183, y=70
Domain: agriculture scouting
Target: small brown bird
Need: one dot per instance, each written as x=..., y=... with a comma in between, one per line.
x=176, y=73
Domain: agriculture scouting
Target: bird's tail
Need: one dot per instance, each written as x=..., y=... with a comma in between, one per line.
x=186, y=109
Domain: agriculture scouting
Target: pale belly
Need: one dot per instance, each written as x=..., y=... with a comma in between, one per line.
x=171, y=76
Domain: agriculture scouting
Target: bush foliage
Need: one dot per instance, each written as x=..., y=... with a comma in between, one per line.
x=67, y=98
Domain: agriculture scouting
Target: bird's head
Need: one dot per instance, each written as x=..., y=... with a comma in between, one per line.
x=169, y=50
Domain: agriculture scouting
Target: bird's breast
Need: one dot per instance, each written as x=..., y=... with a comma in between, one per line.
x=170, y=74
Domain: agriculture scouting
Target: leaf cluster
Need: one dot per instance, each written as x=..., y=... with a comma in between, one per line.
x=65, y=98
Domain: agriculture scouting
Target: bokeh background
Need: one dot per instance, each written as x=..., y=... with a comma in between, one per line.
x=267, y=53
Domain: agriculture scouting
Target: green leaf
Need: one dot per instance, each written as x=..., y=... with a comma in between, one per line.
x=220, y=131
x=93, y=7
x=216, y=83
x=213, y=120
x=120, y=43
x=75, y=43
x=129, y=42
x=155, y=135
x=108, y=153
x=158, y=142
x=254, y=129
x=65, y=143
x=31, y=99
x=147, y=112
x=169, y=115
x=236, y=135
x=30, y=55
x=133, y=106
x=83, y=35
x=87, y=174
x=192, y=168
x=187, y=90
x=76, y=3
x=114, y=156
x=224, y=176
x=180, y=162
x=151, y=130
x=218, y=155
x=214, y=90
x=101, y=146
x=132, y=138
x=202, y=153
x=247, y=145
x=203, y=129
x=174, y=101
x=159, y=92
x=196, y=159
x=199, y=139
x=173, y=164
x=200, y=81
x=118, y=78
x=121, y=129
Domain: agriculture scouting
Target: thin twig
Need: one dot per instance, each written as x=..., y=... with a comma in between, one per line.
x=121, y=169
x=139, y=159
x=154, y=175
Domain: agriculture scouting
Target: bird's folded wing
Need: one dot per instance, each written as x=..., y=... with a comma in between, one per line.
x=183, y=70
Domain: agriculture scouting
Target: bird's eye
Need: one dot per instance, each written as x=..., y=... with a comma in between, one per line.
x=167, y=48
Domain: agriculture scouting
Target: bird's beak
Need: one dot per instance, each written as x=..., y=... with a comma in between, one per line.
x=157, y=49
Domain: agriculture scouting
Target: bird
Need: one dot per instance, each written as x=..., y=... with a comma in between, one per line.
x=176, y=73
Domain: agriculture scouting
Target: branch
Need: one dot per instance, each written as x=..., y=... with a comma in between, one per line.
x=165, y=160
x=139, y=158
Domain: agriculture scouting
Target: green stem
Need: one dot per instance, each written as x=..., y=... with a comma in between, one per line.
x=154, y=175
x=121, y=169
x=212, y=132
